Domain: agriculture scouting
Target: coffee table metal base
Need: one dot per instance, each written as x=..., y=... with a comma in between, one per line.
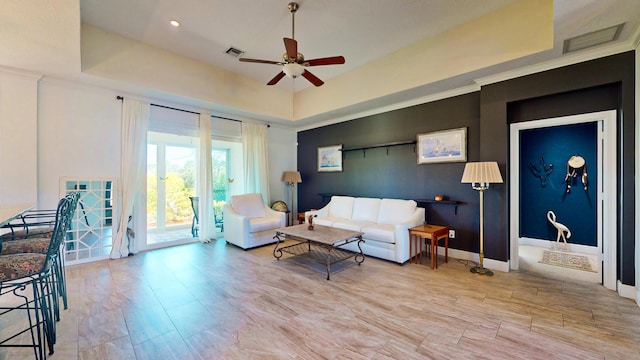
x=319, y=252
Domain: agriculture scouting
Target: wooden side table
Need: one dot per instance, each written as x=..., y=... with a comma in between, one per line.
x=434, y=234
x=301, y=219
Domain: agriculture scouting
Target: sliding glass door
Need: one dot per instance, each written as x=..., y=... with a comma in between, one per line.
x=171, y=183
x=172, y=197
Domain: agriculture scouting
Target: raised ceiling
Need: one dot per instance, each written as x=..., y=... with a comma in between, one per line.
x=386, y=44
x=361, y=30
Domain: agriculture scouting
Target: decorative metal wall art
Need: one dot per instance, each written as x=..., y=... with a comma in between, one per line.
x=576, y=165
x=542, y=171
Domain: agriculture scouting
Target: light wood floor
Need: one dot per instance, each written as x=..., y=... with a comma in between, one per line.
x=215, y=301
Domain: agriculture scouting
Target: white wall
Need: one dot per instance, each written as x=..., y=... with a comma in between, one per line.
x=110, y=56
x=283, y=152
x=79, y=136
x=18, y=142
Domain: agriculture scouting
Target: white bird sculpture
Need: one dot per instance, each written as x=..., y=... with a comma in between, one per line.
x=551, y=216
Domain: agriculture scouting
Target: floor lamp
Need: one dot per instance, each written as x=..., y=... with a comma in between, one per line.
x=292, y=177
x=480, y=175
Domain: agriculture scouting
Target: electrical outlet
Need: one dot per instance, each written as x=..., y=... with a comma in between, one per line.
x=452, y=234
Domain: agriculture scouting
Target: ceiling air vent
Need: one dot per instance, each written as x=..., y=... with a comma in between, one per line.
x=234, y=52
x=597, y=37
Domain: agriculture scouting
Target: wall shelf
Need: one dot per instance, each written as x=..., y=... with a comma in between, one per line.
x=442, y=202
x=385, y=145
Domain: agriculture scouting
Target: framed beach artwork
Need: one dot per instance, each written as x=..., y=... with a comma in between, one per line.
x=442, y=146
x=330, y=158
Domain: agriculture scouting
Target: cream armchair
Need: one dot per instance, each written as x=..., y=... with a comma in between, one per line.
x=249, y=223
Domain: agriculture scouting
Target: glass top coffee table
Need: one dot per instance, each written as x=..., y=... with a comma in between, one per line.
x=323, y=244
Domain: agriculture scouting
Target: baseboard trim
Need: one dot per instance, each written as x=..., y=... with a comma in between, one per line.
x=492, y=264
x=625, y=291
x=628, y=291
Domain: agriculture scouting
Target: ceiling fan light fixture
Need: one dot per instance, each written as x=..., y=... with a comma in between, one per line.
x=293, y=63
x=293, y=70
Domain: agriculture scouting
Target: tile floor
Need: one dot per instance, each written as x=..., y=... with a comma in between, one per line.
x=216, y=301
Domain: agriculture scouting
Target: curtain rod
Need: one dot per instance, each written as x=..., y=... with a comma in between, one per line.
x=187, y=111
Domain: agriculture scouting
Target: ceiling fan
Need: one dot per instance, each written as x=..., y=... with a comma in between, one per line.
x=293, y=62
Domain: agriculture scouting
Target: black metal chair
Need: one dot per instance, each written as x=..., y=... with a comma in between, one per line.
x=36, y=242
x=34, y=223
x=219, y=220
x=32, y=278
x=195, y=222
x=31, y=223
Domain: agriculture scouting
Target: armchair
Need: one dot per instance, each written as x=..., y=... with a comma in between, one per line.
x=249, y=222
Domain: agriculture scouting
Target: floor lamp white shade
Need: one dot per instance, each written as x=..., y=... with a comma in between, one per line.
x=480, y=175
x=292, y=177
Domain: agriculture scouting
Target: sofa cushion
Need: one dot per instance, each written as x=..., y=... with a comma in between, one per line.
x=365, y=209
x=341, y=207
x=353, y=225
x=380, y=232
x=249, y=205
x=263, y=223
x=326, y=220
x=395, y=211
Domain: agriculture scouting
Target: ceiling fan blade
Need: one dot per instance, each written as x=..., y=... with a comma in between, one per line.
x=261, y=61
x=276, y=78
x=333, y=60
x=312, y=78
x=292, y=48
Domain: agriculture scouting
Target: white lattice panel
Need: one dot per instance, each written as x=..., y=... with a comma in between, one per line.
x=90, y=237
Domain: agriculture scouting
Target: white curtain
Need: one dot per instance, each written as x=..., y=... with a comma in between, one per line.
x=133, y=135
x=256, y=164
x=207, y=230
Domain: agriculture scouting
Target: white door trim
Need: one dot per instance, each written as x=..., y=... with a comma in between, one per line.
x=606, y=199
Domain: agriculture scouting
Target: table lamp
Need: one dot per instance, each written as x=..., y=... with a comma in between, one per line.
x=292, y=177
x=480, y=175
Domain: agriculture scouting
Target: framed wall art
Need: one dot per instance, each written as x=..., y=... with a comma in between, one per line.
x=330, y=158
x=442, y=146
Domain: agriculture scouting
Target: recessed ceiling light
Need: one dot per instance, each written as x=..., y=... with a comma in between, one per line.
x=175, y=23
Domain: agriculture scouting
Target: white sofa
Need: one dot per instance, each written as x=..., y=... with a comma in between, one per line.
x=249, y=222
x=385, y=223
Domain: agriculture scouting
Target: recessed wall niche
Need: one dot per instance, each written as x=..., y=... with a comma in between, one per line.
x=548, y=182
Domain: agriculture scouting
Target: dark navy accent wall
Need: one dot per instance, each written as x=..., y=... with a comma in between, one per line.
x=577, y=209
x=602, y=84
x=394, y=172
x=606, y=83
